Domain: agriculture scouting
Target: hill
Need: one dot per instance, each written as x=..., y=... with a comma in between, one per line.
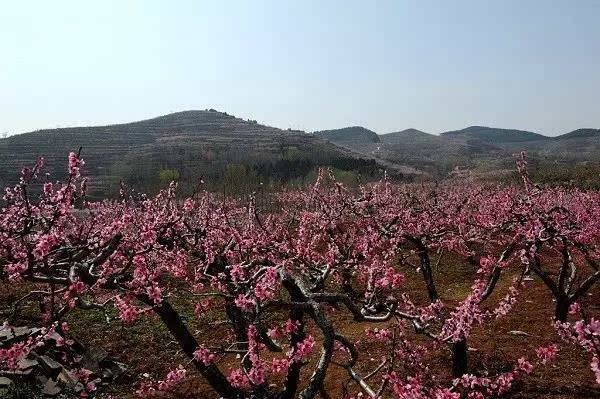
x=184, y=145
x=479, y=148
x=579, y=133
x=238, y=155
x=434, y=154
x=407, y=135
x=356, y=134
x=496, y=135
x=411, y=151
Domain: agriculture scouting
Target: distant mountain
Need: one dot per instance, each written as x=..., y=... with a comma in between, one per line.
x=225, y=151
x=580, y=133
x=357, y=134
x=496, y=135
x=407, y=135
x=474, y=147
x=436, y=155
x=185, y=144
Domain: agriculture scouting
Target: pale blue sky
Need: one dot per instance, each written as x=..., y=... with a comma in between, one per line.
x=385, y=65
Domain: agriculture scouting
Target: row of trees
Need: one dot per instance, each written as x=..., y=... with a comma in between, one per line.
x=230, y=175
x=289, y=283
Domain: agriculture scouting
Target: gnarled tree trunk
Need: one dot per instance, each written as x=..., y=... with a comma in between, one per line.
x=459, y=358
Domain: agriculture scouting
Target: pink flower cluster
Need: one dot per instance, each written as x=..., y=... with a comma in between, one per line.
x=244, y=303
x=204, y=355
x=75, y=163
x=391, y=279
x=238, y=379
x=303, y=349
x=155, y=294
x=258, y=372
x=547, y=353
x=268, y=285
x=586, y=335
x=44, y=244
x=127, y=312
x=171, y=381
x=280, y=365
x=381, y=334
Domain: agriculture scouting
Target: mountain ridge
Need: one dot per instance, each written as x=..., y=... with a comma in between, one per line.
x=205, y=143
x=187, y=144
x=496, y=135
x=405, y=134
x=350, y=133
x=579, y=133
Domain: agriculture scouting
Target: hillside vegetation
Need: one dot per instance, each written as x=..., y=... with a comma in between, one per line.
x=495, y=135
x=189, y=146
x=478, y=149
x=236, y=156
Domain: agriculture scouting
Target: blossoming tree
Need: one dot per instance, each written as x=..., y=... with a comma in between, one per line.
x=288, y=283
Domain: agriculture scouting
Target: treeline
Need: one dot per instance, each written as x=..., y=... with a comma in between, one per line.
x=238, y=178
x=584, y=175
x=545, y=172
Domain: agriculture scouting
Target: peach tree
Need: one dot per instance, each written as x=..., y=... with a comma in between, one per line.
x=292, y=288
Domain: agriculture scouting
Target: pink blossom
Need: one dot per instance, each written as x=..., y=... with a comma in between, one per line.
x=237, y=378
x=595, y=365
x=445, y=394
x=280, y=365
x=525, y=366
x=276, y=333
x=77, y=288
x=304, y=348
x=244, y=303
x=155, y=294
x=44, y=244
x=188, y=205
x=575, y=308
x=291, y=327
x=127, y=312
x=173, y=377
x=546, y=354
x=75, y=163
x=204, y=355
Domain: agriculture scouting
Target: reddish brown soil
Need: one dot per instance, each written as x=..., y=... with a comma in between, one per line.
x=147, y=347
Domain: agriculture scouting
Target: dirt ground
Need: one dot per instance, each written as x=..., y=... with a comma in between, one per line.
x=146, y=347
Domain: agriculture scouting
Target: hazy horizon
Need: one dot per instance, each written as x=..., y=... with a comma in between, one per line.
x=433, y=66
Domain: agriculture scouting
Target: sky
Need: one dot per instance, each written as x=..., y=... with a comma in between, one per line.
x=310, y=65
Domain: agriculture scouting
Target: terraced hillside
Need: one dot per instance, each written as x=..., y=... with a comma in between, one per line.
x=185, y=145
x=580, y=133
x=496, y=135
x=425, y=146
x=414, y=150
x=353, y=134
x=475, y=147
x=580, y=145
x=228, y=152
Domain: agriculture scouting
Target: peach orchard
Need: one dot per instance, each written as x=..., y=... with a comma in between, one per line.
x=279, y=280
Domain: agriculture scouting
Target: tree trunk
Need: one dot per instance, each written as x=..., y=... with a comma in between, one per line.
x=459, y=358
x=428, y=275
x=561, y=312
x=292, y=379
x=293, y=375
x=188, y=344
x=425, y=268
